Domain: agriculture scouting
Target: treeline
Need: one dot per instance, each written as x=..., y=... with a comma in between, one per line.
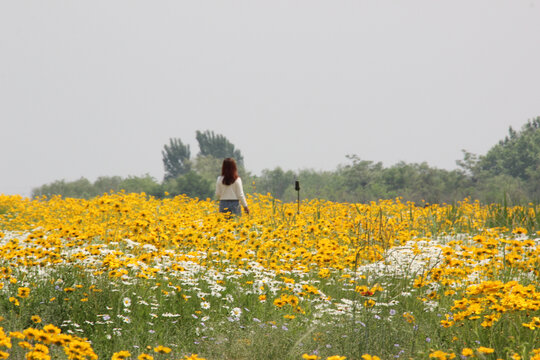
x=509, y=171
x=184, y=174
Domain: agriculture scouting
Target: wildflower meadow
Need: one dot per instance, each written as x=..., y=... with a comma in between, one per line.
x=129, y=276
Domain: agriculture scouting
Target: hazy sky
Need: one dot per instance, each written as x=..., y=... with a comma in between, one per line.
x=96, y=88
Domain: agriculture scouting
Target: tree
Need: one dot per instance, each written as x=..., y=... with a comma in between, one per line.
x=104, y=184
x=361, y=172
x=361, y=180
x=501, y=188
x=317, y=185
x=517, y=155
x=81, y=188
x=190, y=184
x=142, y=184
x=275, y=182
x=176, y=159
x=208, y=167
x=533, y=185
x=217, y=146
x=469, y=164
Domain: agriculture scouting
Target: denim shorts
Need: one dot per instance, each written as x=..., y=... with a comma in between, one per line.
x=230, y=206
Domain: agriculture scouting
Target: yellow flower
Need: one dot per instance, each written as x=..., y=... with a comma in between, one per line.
x=41, y=348
x=369, y=303
x=144, y=356
x=36, y=319
x=441, y=355
x=409, y=317
x=121, y=355
x=37, y=355
x=310, y=357
x=25, y=345
x=324, y=273
x=14, y=301
x=5, y=341
x=336, y=357
x=519, y=230
x=535, y=323
x=446, y=323
x=162, y=349
x=467, y=352
x=23, y=292
x=79, y=349
x=43, y=337
x=16, y=335
x=51, y=329
x=193, y=357
x=485, y=350
x=370, y=357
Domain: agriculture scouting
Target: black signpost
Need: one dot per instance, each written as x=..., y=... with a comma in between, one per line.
x=297, y=188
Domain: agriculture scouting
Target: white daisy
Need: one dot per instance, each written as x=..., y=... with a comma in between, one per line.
x=236, y=312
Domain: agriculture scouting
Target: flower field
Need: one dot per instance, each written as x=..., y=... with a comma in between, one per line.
x=127, y=276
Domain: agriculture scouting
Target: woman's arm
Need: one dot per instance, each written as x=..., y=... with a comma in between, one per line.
x=239, y=192
x=219, y=187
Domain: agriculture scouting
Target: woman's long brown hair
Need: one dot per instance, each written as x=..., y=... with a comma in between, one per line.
x=229, y=171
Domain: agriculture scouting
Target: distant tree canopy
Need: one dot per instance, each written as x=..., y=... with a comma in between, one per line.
x=81, y=188
x=276, y=182
x=518, y=155
x=183, y=175
x=85, y=189
x=217, y=146
x=195, y=177
x=190, y=184
x=510, y=170
x=176, y=158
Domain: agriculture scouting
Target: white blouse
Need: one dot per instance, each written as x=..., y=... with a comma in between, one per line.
x=234, y=191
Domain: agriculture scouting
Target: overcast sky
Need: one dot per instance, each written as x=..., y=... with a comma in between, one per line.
x=96, y=88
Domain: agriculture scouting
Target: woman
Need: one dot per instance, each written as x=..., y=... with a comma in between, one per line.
x=229, y=190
